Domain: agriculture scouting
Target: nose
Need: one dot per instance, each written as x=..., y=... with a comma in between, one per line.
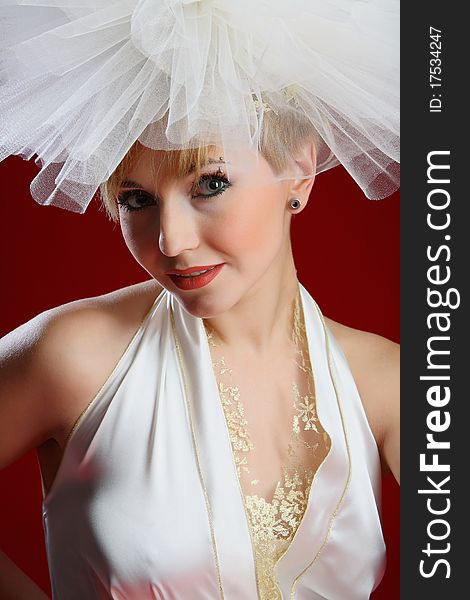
x=178, y=227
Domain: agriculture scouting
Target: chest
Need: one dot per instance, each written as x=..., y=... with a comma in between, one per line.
x=271, y=419
x=151, y=482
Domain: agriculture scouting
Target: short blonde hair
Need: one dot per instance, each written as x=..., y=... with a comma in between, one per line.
x=282, y=137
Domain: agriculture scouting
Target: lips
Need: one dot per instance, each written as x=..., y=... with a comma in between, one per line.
x=194, y=277
x=191, y=270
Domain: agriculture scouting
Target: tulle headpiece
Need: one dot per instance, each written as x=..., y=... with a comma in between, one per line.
x=82, y=81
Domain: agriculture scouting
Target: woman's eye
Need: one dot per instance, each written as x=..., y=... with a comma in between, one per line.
x=211, y=185
x=135, y=200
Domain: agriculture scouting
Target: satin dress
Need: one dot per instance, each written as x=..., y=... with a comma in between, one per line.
x=161, y=491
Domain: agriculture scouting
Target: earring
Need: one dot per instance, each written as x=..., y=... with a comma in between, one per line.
x=295, y=203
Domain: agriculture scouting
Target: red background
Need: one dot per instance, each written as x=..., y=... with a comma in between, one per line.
x=346, y=250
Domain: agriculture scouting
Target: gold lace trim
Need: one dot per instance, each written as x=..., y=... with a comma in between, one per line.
x=274, y=523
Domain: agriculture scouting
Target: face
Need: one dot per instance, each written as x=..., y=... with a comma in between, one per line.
x=241, y=225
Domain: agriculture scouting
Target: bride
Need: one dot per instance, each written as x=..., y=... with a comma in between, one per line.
x=207, y=433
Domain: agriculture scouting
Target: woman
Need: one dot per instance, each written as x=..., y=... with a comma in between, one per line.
x=193, y=422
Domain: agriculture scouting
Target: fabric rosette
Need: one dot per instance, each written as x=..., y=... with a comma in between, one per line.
x=82, y=81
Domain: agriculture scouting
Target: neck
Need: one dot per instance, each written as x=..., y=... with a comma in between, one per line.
x=262, y=320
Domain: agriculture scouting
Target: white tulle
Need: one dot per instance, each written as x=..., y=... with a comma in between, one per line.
x=83, y=80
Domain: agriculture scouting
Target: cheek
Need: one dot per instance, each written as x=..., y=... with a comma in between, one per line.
x=256, y=226
x=130, y=235
x=140, y=238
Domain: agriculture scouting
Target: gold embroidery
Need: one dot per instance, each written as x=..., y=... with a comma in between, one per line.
x=306, y=410
x=273, y=524
x=235, y=416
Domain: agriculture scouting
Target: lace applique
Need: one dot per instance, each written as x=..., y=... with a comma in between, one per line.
x=273, y=524
x=235, y=417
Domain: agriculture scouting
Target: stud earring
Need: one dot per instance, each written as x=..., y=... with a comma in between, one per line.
x=295, y=203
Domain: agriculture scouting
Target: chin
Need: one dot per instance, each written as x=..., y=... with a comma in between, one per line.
x=204, y=307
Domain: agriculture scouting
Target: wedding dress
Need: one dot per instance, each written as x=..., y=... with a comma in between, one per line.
x=150, y=500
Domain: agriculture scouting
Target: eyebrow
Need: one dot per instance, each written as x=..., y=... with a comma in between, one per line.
x=214, y=161
x=129, y=183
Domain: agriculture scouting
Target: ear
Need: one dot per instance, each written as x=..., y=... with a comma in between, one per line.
x=306, y=164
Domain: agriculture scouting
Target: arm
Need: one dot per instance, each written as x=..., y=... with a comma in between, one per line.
x=50, y=368
x=25, y=409
x=25, y=422
x=52, y=365
x=390, y=443
x=378, y=379
x=375, y=365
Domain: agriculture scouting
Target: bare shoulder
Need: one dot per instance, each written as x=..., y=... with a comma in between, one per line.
x=111, y=314
x=121, y=308
x=83, y=327
x=87, y=338
x=55, y=363
x=360, y=345
x=375, y=364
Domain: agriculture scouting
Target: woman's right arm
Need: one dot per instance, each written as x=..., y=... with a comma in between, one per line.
x=26, y=420
x=53, y=365
x=26, y=405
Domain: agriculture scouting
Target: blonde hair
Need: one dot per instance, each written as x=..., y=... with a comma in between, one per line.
x=282, y=137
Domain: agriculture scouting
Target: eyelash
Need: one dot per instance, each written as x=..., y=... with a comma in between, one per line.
x=123, y=199
x=218, y=176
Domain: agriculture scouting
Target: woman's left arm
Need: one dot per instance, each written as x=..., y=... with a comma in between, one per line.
x=375, y=365
x=390, y=443
x=378, y=378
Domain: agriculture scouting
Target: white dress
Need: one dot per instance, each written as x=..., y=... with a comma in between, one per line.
x=147, y=502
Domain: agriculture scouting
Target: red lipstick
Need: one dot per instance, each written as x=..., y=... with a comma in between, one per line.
x=186, y=279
